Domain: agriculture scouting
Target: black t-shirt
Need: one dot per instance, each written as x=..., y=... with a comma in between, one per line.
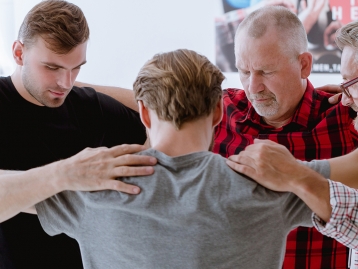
x=31, y=136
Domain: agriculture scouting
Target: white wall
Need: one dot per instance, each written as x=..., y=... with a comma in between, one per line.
x=7, y=35
x=126, y=33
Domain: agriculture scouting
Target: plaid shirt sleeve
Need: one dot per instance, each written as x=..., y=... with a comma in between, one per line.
x=343, y=224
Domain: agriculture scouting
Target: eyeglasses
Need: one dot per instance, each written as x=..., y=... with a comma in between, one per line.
x=344, y=86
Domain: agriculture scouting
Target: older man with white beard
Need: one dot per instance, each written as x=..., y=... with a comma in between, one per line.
x=336, y=205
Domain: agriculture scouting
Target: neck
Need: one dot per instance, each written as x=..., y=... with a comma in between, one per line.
x=192, y=137
x=17, y=81
x=277, y=124
x=19, y=86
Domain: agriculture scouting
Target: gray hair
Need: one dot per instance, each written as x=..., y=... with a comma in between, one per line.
x=288, y=26
x=347, y=36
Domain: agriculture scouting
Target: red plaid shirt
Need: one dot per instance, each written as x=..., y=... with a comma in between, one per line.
x=317, y=130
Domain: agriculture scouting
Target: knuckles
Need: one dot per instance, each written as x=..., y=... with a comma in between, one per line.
x=123, y=171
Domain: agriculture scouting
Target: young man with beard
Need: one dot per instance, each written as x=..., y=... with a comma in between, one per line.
x=44, y=119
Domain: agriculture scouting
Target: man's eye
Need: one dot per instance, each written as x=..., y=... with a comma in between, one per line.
x=51, y=68
x=245, y=73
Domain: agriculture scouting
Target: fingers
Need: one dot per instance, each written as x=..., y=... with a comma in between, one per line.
x=242, y=158
x=330, y=88
x=264, y=141
x=126, y=149
x=120, y=186
x=335, y=89
x=129, y=159
x=129, y=171
x=242, y=163
x=243, y=169
x=334, y=99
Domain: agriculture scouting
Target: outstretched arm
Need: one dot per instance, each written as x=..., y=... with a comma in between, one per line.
x=335, y=204
x=125, y=96
x=89, y=170
x=344, y=169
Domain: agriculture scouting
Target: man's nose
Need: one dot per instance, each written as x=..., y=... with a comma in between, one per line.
x=256, y=84
x=66, y=80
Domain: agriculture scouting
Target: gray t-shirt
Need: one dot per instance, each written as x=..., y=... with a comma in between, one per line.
x=193, y=212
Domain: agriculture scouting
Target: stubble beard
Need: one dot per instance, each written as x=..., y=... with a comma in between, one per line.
x=265, y=110
x=34, y=91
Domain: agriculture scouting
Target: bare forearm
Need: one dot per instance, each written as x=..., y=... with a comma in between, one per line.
x=125, y=96
x=21, y=191
x=313, y=189
x=344, y=169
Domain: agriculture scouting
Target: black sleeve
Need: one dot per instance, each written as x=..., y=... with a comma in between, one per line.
x=122, y=125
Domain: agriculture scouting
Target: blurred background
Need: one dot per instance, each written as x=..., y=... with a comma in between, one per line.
x=125, y=34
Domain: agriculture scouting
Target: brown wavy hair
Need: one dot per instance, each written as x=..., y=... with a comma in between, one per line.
x=61, y=24
x=180, y=86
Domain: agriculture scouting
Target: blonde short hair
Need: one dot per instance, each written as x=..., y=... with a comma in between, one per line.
x=180, y=86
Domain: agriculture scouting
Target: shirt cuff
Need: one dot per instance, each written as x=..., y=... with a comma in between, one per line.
x=342, y=225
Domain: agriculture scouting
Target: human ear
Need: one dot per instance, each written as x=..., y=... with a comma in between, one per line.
x=218, y=113
x=144, y=114
x=17, y=52
x=306, y=64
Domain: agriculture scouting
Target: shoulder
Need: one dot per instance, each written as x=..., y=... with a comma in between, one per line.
x=84, y=96
x=4, y=81
x=111, y=114
x=236, y=97
x=6, y=85
x=235, y=104
x=216, y=164
x=234, y=93
x=321, y=95
x=320, y=100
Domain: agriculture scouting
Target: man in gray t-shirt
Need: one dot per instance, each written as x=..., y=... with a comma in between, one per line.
x=194, y=212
